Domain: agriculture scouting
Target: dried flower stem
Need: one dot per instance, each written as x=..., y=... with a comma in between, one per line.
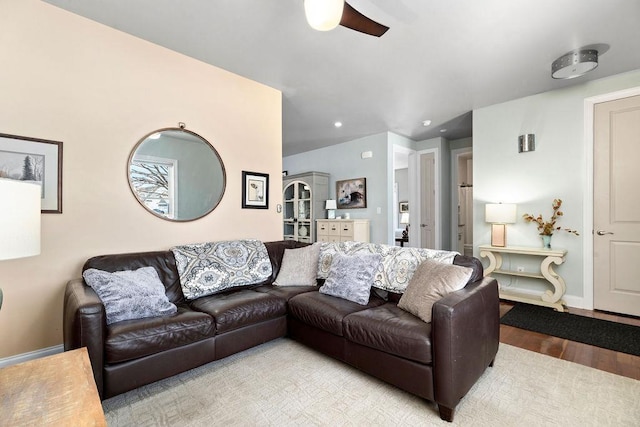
x=546, y=228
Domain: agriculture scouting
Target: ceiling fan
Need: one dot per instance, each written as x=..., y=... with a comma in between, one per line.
x=325, y=15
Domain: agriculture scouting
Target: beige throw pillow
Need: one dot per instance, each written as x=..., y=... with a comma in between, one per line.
x=299, y=267
x=432, y=281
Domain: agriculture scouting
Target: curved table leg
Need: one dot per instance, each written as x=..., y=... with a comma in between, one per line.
x=556, y=281
x=495, y=261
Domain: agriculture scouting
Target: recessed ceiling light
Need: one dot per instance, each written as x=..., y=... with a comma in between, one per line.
x=426, y=123
x=443, y=130
x=338, y=124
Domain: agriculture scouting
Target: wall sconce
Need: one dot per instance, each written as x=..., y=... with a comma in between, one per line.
x=526, y=143
x=499, y=214
x=331, y=206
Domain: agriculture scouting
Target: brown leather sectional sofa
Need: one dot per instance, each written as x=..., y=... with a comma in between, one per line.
x=438, y=361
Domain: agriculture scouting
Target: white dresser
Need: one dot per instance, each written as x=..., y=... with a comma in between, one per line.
x=343, y=230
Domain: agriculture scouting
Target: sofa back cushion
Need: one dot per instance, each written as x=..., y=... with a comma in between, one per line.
x=162, y=261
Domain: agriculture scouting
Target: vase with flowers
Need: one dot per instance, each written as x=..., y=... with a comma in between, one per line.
x=547, y=228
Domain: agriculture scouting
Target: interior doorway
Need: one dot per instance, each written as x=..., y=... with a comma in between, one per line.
x=462, y=201
x=402, y=200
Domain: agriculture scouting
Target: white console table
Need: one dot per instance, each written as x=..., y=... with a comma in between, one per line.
x=550, y=298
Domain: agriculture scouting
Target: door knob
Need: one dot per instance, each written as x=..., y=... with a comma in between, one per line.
x=602, y=232
x=423, y=225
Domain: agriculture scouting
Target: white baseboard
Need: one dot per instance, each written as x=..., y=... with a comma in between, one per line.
x=25, y=357
x=575, y=302
x=572, y=301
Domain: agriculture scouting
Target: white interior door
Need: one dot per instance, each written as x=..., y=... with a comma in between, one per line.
x=427, y=201
x=616, y=238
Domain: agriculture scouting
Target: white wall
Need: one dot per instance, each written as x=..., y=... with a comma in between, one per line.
x=556, y=169
x=98, y=90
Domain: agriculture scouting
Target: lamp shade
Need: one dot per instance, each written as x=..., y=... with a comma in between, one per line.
x=323, y=15
x=19, y=219
x=404, y=218
x=331, y=204
x=500, y=213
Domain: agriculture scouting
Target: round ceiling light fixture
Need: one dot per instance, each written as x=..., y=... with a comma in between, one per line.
x=338, y=124
x=426, y=123
x=574, y=64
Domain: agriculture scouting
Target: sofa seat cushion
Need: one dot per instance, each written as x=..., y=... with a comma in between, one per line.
x=325, y=311
x=286, y=292
x=392, y=330
x=132, y=339
x=236, y=309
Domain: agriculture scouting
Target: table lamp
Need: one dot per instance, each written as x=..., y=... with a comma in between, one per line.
x=500, y=214
x=331, y=206
x=404, y=220
x=19, y=220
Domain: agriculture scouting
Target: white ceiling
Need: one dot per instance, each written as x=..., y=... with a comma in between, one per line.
x=440, y=60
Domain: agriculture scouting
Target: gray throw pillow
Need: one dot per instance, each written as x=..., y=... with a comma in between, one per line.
x=431, y=282
x=299, y=267
x=351, y=277
x=130, y=294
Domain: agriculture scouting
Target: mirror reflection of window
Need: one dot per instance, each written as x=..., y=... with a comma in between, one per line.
x=153, y=178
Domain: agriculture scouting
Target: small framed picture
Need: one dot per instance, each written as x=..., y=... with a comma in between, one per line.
x=38, y=160
x=404, y=207
x=255, y=190
x=352, y=193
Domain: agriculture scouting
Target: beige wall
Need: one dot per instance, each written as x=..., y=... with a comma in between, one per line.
x=69, y=79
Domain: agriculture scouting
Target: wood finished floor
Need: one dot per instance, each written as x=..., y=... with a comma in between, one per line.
x=606, y=360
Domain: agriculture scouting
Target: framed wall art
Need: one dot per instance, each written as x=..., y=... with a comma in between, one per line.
x=255, y=190
x=403, y=207
x=38, y=160
x=351, y=193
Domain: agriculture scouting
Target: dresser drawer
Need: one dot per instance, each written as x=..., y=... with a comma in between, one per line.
x=346, y=229
x=323, y=227
x=334, y=229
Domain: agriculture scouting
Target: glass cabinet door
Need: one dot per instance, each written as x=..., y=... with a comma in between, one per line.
x=297, y=212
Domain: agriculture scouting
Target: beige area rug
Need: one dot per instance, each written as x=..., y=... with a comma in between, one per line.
x=283, y=383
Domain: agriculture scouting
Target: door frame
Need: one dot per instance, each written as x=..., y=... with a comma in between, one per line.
x=416, y=191
x=587, y=207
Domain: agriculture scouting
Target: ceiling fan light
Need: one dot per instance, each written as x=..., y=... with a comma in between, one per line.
x=323, y=15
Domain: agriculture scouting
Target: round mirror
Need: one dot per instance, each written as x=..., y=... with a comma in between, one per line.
x=176, y=174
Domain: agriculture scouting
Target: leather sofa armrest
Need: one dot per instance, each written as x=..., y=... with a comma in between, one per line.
x=466, y=334
x=85, y=324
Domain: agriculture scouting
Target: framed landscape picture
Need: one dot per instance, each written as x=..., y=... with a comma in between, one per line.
x=36, y=160
x=255, y=190
x=351, y=193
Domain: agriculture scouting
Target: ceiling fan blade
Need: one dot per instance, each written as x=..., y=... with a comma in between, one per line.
x=355, y=20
